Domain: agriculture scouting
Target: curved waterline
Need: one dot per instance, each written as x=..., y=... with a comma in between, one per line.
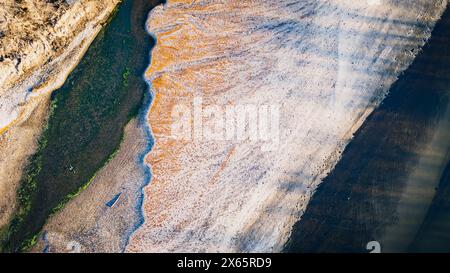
x=145, y=122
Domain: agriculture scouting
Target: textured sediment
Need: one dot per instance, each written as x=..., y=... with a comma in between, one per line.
x=40, y=43
x=328, y=64
x=91, y=220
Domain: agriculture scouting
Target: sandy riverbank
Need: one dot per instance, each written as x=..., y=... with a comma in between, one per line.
x=326, y=63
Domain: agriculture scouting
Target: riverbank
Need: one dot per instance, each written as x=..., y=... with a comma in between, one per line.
x=29, y=77
x=102, y=217
x=85, y=113
x=328, y=64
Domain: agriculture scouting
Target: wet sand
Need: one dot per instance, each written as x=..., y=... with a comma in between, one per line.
x=87, y=219
x=85, y=128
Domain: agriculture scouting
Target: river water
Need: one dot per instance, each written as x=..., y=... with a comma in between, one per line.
x=86, y=126
x=392, y=183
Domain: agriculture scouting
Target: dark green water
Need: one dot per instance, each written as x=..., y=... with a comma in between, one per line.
x=434, y=233
x=392, y=184
x=86, y=126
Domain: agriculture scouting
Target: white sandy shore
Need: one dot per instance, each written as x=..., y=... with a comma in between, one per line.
x=328, y=63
